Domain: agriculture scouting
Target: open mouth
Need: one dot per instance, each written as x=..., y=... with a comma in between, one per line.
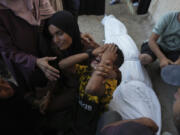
x=98, y=59
x=95, y=62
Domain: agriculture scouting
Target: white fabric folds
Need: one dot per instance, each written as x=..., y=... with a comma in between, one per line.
x=134, y=97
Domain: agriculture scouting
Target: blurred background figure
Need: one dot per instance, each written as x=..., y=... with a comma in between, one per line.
x=72, y=6
x=92, y=7
x=112, y=2
x=57, y=5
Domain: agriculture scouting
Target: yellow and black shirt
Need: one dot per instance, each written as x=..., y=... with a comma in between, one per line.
x=90, y=107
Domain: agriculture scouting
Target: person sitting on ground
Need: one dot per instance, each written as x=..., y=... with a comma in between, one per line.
x=111, y=123
x=164, y=42
x=170, y=74
x=89, y=107
x=17, y=116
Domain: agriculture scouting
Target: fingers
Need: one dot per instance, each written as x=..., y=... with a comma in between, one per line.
x=88, y=37
x=51, y=75
x=102, y=69
x=113, y=48
x=104, y=66
x=108, y=62
x=102, y=49
x=165, y=63
x=46, y=65
x=101, y=74
x=86, y=40
x=50, y=58
x=170, y=62
x=52, y=69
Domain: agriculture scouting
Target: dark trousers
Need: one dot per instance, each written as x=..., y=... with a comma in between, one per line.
x=143, y=6
x=107, y=118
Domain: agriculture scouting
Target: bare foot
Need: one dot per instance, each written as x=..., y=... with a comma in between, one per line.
x=145, y=59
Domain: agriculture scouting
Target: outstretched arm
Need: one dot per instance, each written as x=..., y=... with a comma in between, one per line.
x=72, y=60
x=24, y=62
x=88, y=41
x=75, y=59
x=158, y=30
x=164, y=61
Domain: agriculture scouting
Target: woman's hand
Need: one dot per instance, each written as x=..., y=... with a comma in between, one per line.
x=86, y=39
x=50, y=72
x=99, y=50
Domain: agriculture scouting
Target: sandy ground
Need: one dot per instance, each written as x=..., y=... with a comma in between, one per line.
x=139, y=28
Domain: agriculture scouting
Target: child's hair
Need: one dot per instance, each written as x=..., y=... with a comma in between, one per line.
x=120, y=57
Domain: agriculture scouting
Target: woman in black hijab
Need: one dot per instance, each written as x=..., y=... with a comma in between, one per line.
x=65, y=33
x=64, y=39
x=61, y=38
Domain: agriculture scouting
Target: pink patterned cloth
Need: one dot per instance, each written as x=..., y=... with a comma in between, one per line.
x=33, y=11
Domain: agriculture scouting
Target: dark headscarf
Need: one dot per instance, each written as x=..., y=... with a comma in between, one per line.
x=65, y=21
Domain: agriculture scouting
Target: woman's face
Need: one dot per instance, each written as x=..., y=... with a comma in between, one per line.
x=60, y=38
x=6, y=90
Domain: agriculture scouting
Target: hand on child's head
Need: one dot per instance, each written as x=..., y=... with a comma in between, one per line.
x=99, y=50
x=110, y=53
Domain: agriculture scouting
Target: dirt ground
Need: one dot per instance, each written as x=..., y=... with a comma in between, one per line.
x=139, y=28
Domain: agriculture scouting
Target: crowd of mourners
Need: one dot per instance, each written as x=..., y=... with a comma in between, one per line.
x=65, y=80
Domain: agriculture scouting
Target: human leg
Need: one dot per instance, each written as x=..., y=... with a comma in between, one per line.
x=146, y=56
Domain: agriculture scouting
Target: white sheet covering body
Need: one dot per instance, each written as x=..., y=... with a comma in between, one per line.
x=116, y=32
x=134, y=97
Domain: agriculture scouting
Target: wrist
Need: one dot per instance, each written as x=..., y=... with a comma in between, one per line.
x=38, y=62
x=89, y=52
x=162, y=58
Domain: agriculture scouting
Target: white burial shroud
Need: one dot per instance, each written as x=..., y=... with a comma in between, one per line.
x=134, y=97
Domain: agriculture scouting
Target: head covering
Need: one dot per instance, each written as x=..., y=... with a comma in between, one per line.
x=171, y=74
x=128, y=128
x=25, y=8
x=65, y=21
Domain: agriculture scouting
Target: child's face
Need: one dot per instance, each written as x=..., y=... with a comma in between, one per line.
x=6, y=90
x=98, y=58
x=60, y=38
x=96, y=61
